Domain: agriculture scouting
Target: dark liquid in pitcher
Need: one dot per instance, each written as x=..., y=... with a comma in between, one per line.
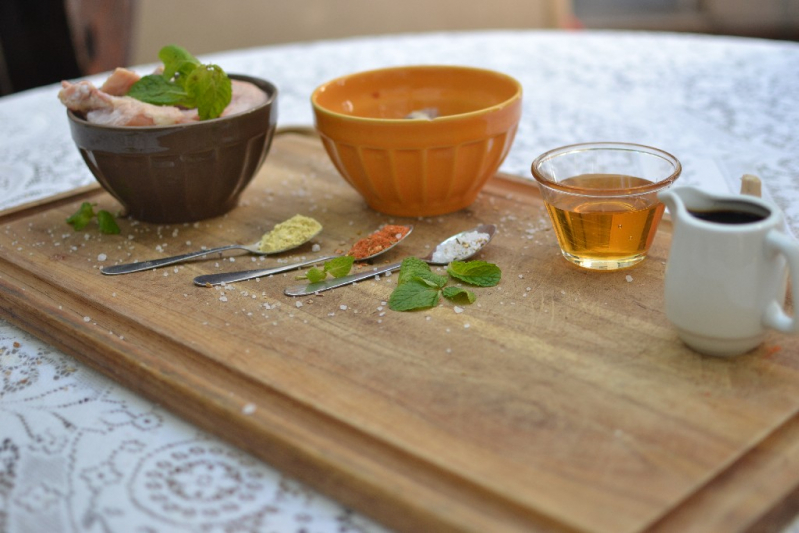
x=728, y=216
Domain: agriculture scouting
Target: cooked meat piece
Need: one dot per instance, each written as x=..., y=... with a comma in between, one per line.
x=119, y=82
x=245, y=97
x=103, y=108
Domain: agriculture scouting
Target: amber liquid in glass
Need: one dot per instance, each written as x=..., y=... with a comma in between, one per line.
x=610, y=233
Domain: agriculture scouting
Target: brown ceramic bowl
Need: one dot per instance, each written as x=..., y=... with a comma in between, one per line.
x=179, y=173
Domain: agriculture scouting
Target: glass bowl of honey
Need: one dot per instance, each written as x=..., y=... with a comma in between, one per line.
x=602, y=200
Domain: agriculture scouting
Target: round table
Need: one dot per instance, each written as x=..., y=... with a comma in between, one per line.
x=79, y=452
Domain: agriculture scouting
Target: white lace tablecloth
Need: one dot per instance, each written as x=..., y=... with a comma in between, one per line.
x=79, y=452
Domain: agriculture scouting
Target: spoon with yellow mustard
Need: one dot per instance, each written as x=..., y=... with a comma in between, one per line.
x=285, y=236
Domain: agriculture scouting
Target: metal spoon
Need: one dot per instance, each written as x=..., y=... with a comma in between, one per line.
x=155, y=263
x=313, y=288
x=209, y=280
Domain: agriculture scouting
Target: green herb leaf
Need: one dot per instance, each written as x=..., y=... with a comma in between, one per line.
x=413, y=295
x=210, y=89
x=430, y=278
x=411, y=267
x=340, y=266
x=187, y=83
x=107, y=223
x=314, y=275
x=478, y=273
x=81, y=218
x=459, y=294
x=157, y=90
x=176, y=60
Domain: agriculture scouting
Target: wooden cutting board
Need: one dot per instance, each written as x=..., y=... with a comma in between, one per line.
x=561, y=400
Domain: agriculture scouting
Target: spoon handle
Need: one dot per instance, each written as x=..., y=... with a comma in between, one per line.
x=155, y=263
x=208, y=280
x=312, y=288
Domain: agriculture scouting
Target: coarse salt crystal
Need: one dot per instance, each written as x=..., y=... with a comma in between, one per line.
x=223, y=298
x=248, y=409
x=629, y=278
x=102, y=257
x=87, y=319
x=342, y=307
x=458, y=309
x=298, y=304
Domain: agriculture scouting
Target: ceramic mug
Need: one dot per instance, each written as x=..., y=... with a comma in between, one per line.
x=727, y=273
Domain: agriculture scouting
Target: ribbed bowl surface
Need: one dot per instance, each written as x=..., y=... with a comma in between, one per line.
x=418, y=167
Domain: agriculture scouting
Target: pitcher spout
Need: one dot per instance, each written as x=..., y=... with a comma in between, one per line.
x=680, y=199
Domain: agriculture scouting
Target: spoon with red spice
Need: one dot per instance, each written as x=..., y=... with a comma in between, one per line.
x=379, y=242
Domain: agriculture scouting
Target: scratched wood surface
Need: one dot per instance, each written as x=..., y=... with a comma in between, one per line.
x=561, y=400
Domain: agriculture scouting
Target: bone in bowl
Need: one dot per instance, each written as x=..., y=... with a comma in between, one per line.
x=181, y=172
x=418, y=140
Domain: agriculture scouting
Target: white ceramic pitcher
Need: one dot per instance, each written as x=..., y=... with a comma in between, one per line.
x=726, y=281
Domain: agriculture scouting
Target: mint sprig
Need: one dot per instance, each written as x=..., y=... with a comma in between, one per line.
x=418, y=287
x=337, y=267
x=85, y=214
x=187, y=83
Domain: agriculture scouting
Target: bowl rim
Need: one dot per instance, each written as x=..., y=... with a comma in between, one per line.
x=544, y=181
x=270, y=100
x=446, y=118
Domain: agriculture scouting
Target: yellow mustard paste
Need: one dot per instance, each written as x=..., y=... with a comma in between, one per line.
x=289, y=233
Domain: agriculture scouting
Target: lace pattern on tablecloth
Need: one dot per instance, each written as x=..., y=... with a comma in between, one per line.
x=81, y=453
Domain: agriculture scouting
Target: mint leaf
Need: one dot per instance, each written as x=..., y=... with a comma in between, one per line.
x=210, y=89
x=314, y=275
x=411, y=267
x=337, y=267
x=340, y=266
x=480, y=273
x=413, y=295
x=107, y=223
x=84, y=215
x=176, y=60
x=459, y=294
x=158, y=90
x=81, y=218
x=430, y=279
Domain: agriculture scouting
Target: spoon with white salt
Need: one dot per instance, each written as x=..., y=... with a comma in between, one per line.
x=458, y=247
x=311, y=230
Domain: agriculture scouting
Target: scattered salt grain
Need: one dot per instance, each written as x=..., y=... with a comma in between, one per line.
x=87, y=319
x=102, y=257
x=342, y=307
x=223, y=298
x=458, y=309
x=315, y=248
x=248, y=409
x=298, y=304
x=629, y=278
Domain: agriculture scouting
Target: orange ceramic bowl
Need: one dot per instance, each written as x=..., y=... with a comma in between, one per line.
x=418, y=166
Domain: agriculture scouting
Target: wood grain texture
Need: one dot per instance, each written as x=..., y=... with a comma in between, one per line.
x=561, y=400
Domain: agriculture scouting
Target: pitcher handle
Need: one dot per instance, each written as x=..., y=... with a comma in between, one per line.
x=775, y=316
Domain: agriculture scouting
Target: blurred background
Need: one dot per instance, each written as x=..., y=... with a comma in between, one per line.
x=44, y=41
